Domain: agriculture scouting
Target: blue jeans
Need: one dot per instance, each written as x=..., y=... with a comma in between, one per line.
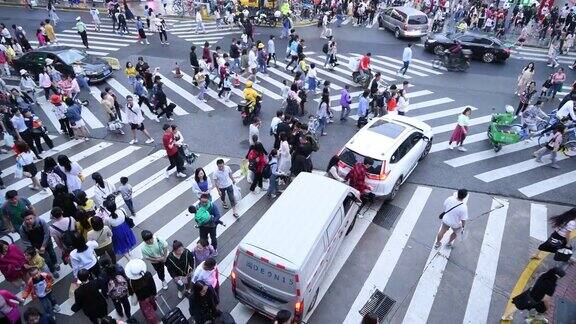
x=262, y=67
x=230, y=191
x=405, y=67
x=273, y=185
x=48, y=303
x=312, y=84
x=344, y=112
x=322, y=124
x=285, y=32
x=236, y=64
x=200, y=25
x=130, y=204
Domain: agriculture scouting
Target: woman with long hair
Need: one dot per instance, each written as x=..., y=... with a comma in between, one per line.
x=73, y=172
x=285, y=158
x=323, y=113
x=123, y=239
x=258, y=154
x=461, y=130
x=525, y=77
x=51, y=176
x=83, y=256
x=203, y=302
x=202, y=183
x=25, y=160
x=563, y=225
x=85, y=204
x=332, y=169
x=64, y=200
x=180, y=263
x=102, y=189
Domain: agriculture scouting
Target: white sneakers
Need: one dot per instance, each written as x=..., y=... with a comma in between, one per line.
x=134, y=141
x=167, y=174
x=462, y=149
x=150, y=140
x=181, y=175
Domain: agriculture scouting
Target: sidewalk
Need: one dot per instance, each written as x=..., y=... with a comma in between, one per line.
x=563, y=309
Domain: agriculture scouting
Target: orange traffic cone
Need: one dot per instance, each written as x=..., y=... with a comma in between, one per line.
x=177, y=72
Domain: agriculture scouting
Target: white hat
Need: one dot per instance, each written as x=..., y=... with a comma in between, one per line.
x=135, y=269
x=49, y=61
x=78, y=18
x=23, y=71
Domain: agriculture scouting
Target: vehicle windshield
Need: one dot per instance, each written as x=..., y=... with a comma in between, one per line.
x=417, y=20
x=386, y=128
x=350, y=158
x=71, y=56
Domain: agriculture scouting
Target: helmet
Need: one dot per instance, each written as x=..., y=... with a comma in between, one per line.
x=249, y=84
x=277, y=14
x=56, y=99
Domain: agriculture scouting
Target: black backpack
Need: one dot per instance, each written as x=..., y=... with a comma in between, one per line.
x=325, y=48
x=267, y=172
x=67, y=236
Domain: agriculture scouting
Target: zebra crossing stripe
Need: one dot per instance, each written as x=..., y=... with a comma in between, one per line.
x=291, y=77
x=120, y=41
x=338, y=69
x=66, y=39
x=47, y=108
x=478, y=306
x=429, y=103
x=442, y=113
x=116, y=37
x=382, y=70
x=450, y=127
x=538, y=222
x=209, y=91
x=549, y=184
x=441, y=146
x=188, y=33
x=91, y=52
x=413, y=66
x=488, y=154
x=513, y=169
x=185, y=94
x=204, y=39
x=259, y=88
x=397, y=67
x=386, y=262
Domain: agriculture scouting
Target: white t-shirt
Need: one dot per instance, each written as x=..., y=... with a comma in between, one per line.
x=455, y=217
x=209, y=277
x=222, y=178
x=566, y=229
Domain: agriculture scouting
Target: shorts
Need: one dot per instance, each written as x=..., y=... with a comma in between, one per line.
x=139, y=127
x=447, y=227
x=30, y=168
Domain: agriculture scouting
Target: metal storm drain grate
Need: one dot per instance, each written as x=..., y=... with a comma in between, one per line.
x=379, y=305
x=387, y=216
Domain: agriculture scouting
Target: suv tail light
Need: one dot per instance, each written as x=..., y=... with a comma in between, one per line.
x=383, y=173
x=233, y=276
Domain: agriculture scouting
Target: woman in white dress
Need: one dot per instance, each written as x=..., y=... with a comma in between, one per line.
x=73, y=172
x=525, y=77
x=285, y=161
x=102, y=189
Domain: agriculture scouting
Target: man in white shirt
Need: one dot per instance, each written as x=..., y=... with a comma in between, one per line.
x=199, y=22
x=406, y=58
x=254, y=132
x=224, y=181
x=567, y=111
x=454, y=216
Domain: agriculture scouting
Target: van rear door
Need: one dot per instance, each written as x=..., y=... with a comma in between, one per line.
x=263, y=285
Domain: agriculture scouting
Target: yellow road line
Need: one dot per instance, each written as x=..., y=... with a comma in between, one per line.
x=522, y=282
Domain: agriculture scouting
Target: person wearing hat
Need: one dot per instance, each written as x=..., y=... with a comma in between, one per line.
x=262, y=57
x=87, y=297
x=27, y=84
x=81, y=29
x=142, y=285
x=250, y=95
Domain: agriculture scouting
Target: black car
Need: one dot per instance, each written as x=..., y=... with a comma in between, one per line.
x=483, y=47
x=67, y=60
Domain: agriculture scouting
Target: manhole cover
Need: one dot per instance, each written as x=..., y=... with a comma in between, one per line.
x=378, y=305
x=387, y=216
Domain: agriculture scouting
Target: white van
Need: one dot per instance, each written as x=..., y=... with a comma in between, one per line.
x=281, y=262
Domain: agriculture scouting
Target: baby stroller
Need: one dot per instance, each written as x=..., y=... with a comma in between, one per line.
x=189, y=156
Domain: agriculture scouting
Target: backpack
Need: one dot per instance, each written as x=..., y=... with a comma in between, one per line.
x=202, y=215
x=53, y=179
x=267, y=172
x=325, y=48
x=66, y=236
x=117, y=287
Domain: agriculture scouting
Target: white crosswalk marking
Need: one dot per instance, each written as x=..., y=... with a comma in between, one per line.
x=187, y=31
x=478, y=306
x=209, y=91
x=186, y=95
x=386, y=262
x=549, y=184
x=538, y=222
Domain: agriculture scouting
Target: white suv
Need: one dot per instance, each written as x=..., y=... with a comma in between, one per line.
x=395, y=143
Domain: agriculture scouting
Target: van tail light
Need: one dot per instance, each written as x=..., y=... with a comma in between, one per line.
x=298, y=311
x=233, y=276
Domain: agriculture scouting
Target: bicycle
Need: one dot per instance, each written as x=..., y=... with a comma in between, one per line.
x=178, y=8
x=568, y=146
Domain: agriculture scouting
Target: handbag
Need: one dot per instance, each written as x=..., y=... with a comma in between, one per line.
x=449, y=210
x=551, y=245
x=237, y=193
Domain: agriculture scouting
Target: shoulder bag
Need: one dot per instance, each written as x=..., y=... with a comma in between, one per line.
x=449, y=210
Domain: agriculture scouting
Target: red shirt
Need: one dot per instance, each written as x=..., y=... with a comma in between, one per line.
x=168, y=141
x=365, y=62
x=357, y=178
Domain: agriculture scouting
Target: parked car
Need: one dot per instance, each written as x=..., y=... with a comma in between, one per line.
x=404, y=21
x=67, y=60
x=396, y=144
x=483, y=47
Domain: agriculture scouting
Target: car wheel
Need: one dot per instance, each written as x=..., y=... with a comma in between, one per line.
x=426, y=150
x=353, y=223
x=380, y=24
x=397, y=33
x=438, y=49
x=488, y=57
x=395, y=189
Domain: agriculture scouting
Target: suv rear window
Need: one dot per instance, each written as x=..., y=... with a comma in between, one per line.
x=387, y=129
x=417, y=20
x=350, y=158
